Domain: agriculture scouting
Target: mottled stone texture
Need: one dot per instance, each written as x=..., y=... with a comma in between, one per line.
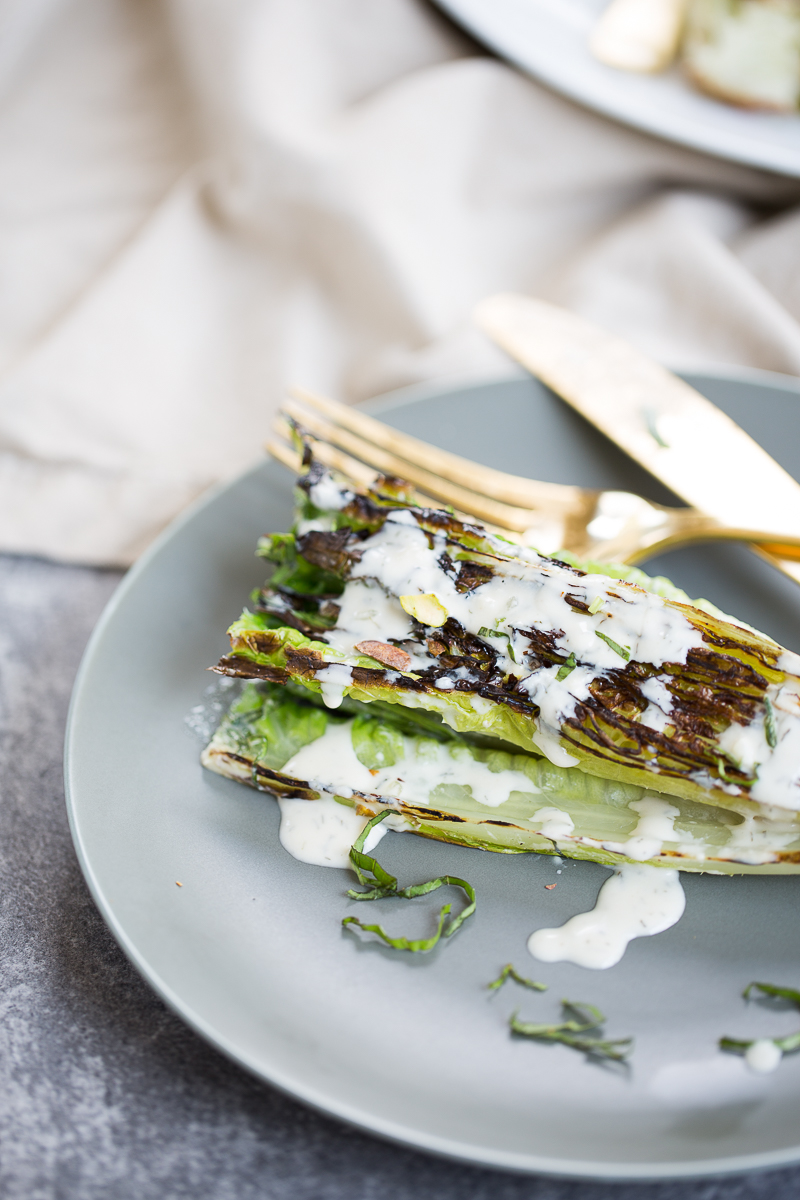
x=103, y=1093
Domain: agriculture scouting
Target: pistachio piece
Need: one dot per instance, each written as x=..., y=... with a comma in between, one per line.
x=426, y=608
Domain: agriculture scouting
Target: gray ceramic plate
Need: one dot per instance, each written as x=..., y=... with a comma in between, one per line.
x=250, y=950
x=550, y=40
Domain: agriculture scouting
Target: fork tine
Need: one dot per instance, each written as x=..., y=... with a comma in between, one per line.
x=360, y=474
x=483, y=507
x=331, y=456
x=510, y=489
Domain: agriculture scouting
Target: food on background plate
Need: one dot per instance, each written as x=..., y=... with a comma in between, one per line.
x=402, y=661
x=639, y=35
x=746, y=52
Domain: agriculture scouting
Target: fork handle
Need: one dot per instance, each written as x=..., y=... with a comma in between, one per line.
x=682, y=526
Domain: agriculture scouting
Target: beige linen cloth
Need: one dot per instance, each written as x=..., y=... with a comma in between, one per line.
x=202, y=201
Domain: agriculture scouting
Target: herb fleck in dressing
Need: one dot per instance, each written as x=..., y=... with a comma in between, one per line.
x=637, y=901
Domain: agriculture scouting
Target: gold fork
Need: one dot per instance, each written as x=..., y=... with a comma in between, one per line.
x=594, y=524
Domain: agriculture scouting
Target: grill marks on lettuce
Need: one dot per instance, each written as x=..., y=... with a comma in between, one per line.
x=724, y=681
x=708, y=693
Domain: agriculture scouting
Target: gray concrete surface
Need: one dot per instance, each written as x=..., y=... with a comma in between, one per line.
x=103, y=1092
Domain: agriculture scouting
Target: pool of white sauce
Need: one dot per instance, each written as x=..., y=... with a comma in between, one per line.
x=637, y=901
x=322, y=831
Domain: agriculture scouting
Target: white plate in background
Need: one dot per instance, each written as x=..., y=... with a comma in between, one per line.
x=550, y=40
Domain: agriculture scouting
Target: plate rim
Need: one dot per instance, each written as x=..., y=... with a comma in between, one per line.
x=701, y=137
x=360, y=1117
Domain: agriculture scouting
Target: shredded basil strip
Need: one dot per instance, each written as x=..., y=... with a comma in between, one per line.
x=770, y=725
x=769, y=989
x=401, y=943
x=786, y=1044
x=622, y=651
x=490, y=633
x=381, y=882
x=566, y=669
x=381, y=885
x=510, y=972
x=721, y=770
x=575, y=1030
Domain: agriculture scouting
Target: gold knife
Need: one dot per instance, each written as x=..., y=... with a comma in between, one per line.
x=660, y=421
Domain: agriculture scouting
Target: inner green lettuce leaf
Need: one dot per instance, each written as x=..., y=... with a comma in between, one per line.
x=579, y=815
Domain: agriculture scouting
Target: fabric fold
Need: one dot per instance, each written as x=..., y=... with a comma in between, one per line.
x=253, y=193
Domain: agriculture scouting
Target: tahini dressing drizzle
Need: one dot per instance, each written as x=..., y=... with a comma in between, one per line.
x=637, y=901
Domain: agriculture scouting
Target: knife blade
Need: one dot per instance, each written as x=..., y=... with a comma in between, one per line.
x=683, y=439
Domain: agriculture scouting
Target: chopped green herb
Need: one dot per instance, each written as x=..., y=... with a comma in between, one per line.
x=596, y=605
x=381, y=882
x=381, y=885
x=622, y=651
x=510, y=972
x=721, y=769
x=575, y=1031
x=490, y=633
x=566, y=669
x=769, y=989
x=770, y=725
x=786, y=1044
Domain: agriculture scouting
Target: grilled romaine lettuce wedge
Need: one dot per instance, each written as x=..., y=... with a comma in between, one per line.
x=465, y=789
x=376, y=599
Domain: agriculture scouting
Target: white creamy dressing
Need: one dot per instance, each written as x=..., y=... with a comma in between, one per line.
x=400, y=559
x=366, y=613
x=657, y=714
x=637, y=901
x=324, y=524
x=330, y=764
x=552, y=823
x=528, y=591
x=789, y=662
x=763, y=1056
x=745, y=745
x=757, y=837
x=333, y=679
x=327, y=494
x=322, y=831
x=778, y=779
x=655, y=826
